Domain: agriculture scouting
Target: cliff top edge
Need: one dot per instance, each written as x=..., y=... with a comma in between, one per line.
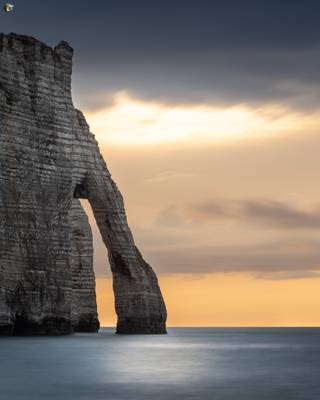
x=31, y=41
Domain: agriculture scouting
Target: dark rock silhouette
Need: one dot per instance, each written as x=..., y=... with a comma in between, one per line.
x=48, y=160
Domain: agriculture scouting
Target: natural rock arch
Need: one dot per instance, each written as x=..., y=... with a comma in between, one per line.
x=48, y=157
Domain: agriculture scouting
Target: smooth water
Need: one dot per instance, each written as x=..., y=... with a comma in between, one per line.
x=215, y=364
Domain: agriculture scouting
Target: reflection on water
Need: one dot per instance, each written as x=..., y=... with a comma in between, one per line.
x=219, y=364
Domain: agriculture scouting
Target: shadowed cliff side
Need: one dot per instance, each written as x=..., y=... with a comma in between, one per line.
x=48, y=157
x=84, y=314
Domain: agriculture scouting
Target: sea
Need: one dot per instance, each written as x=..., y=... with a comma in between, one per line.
x=200, y=364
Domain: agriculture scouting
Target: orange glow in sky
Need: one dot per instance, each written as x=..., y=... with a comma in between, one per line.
x=227, y=300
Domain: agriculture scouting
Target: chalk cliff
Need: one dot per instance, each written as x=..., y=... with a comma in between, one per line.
x=48, y=160
x=84, y=314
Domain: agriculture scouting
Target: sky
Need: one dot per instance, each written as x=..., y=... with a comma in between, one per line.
x=208, y=115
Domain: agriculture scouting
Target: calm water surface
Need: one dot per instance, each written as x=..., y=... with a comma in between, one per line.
x=213, y=364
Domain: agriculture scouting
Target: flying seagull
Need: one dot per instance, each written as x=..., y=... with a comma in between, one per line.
x=8, y=7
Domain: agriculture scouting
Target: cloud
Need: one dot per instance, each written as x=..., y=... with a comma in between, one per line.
x=96, y=101
x=133, y=121
x=169, y=176
x=287, y=275
x=251, y=76
x=169, y=218
x=287, y=252
x=283, y=259
x=269, y=213
x=235, y=53
x=223, y=52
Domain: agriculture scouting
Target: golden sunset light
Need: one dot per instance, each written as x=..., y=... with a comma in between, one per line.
x=132, y=121
x=209, y=301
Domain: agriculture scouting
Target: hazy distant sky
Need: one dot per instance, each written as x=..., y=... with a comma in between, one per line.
x=208, y=114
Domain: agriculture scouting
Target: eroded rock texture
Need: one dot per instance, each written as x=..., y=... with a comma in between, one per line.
x=49, y=158
x=84, y=314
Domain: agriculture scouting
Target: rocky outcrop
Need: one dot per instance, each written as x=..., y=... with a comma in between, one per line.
x=84, y=314
x=49, y=158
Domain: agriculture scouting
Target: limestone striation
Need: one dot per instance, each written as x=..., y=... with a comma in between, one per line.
x=84, y=315
x=49, y=160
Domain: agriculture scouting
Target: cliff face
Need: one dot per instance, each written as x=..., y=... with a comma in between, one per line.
x=48, y=159
x=84, y=315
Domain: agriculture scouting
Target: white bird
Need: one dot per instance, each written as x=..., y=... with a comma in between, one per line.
x=8, y=7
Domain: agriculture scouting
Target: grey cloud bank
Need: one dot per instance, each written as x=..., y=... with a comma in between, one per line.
x=274, y=260
x=293, y=254
x=264, y=212
x=190, y=51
